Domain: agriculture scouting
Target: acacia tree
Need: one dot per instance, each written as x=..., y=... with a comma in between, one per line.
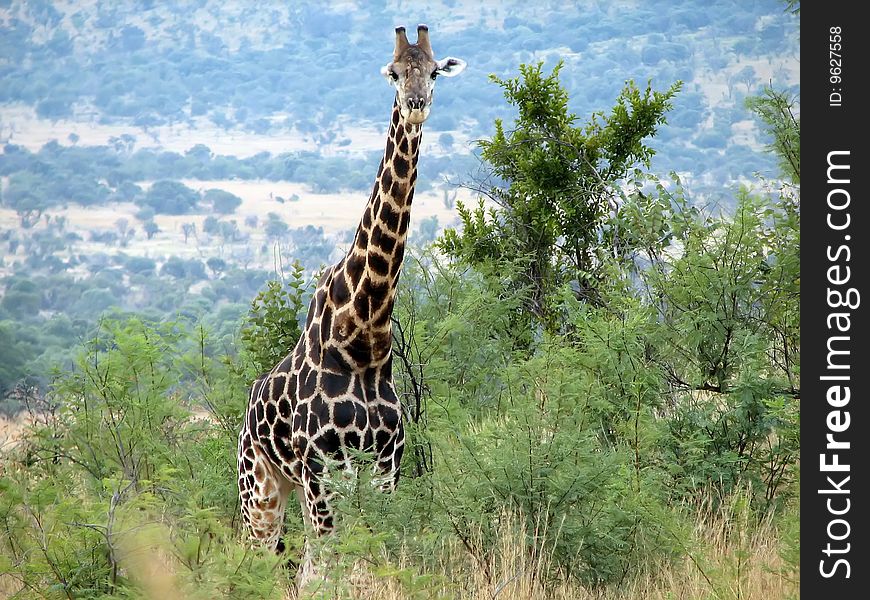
x=725, y=323
x=776, y=110
x=552, y=184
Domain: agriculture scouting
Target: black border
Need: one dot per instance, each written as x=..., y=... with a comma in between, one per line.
x=826, y=128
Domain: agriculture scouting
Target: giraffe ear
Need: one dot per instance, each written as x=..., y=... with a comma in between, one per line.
x=450, y=67
x=388, y=73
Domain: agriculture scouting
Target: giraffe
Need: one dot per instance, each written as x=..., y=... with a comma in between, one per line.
x=333, y=395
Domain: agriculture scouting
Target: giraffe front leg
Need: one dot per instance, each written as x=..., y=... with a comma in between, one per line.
x=318, y=507
x=307, y=571
x=389, y=459
x=315, y=500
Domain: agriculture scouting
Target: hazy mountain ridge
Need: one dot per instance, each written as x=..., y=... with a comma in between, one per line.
x=283, y=107
x=294, y=69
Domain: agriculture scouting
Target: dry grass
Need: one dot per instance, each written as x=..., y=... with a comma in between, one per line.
x=12, y=428
x=729, y=559
x=733, y=560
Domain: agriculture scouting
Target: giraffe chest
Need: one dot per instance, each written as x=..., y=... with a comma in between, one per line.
x=357, y=408
x=324, y=415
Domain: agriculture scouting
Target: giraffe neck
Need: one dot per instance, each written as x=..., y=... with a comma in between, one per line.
x=384, y=225
x=352, y=312
x=379, y=244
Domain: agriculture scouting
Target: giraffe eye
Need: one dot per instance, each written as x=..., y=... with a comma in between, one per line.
x=434, y=75
x=394, y=76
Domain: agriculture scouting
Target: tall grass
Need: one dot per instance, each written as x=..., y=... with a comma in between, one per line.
x=727, y=553
x=728, y=557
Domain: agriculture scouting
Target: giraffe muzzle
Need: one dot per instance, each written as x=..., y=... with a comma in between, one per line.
x=415, y=110
x=416, y=103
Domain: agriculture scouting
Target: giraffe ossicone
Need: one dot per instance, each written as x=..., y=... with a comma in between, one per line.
x=332, y=396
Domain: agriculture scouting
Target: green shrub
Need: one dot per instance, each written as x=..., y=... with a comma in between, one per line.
x=272, y=327
x=115, y=481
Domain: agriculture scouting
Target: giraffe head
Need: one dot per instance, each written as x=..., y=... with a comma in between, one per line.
x=413, y=73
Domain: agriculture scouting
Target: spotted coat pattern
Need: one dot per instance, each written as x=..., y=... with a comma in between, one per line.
x=334, y=392
x=333, y=397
